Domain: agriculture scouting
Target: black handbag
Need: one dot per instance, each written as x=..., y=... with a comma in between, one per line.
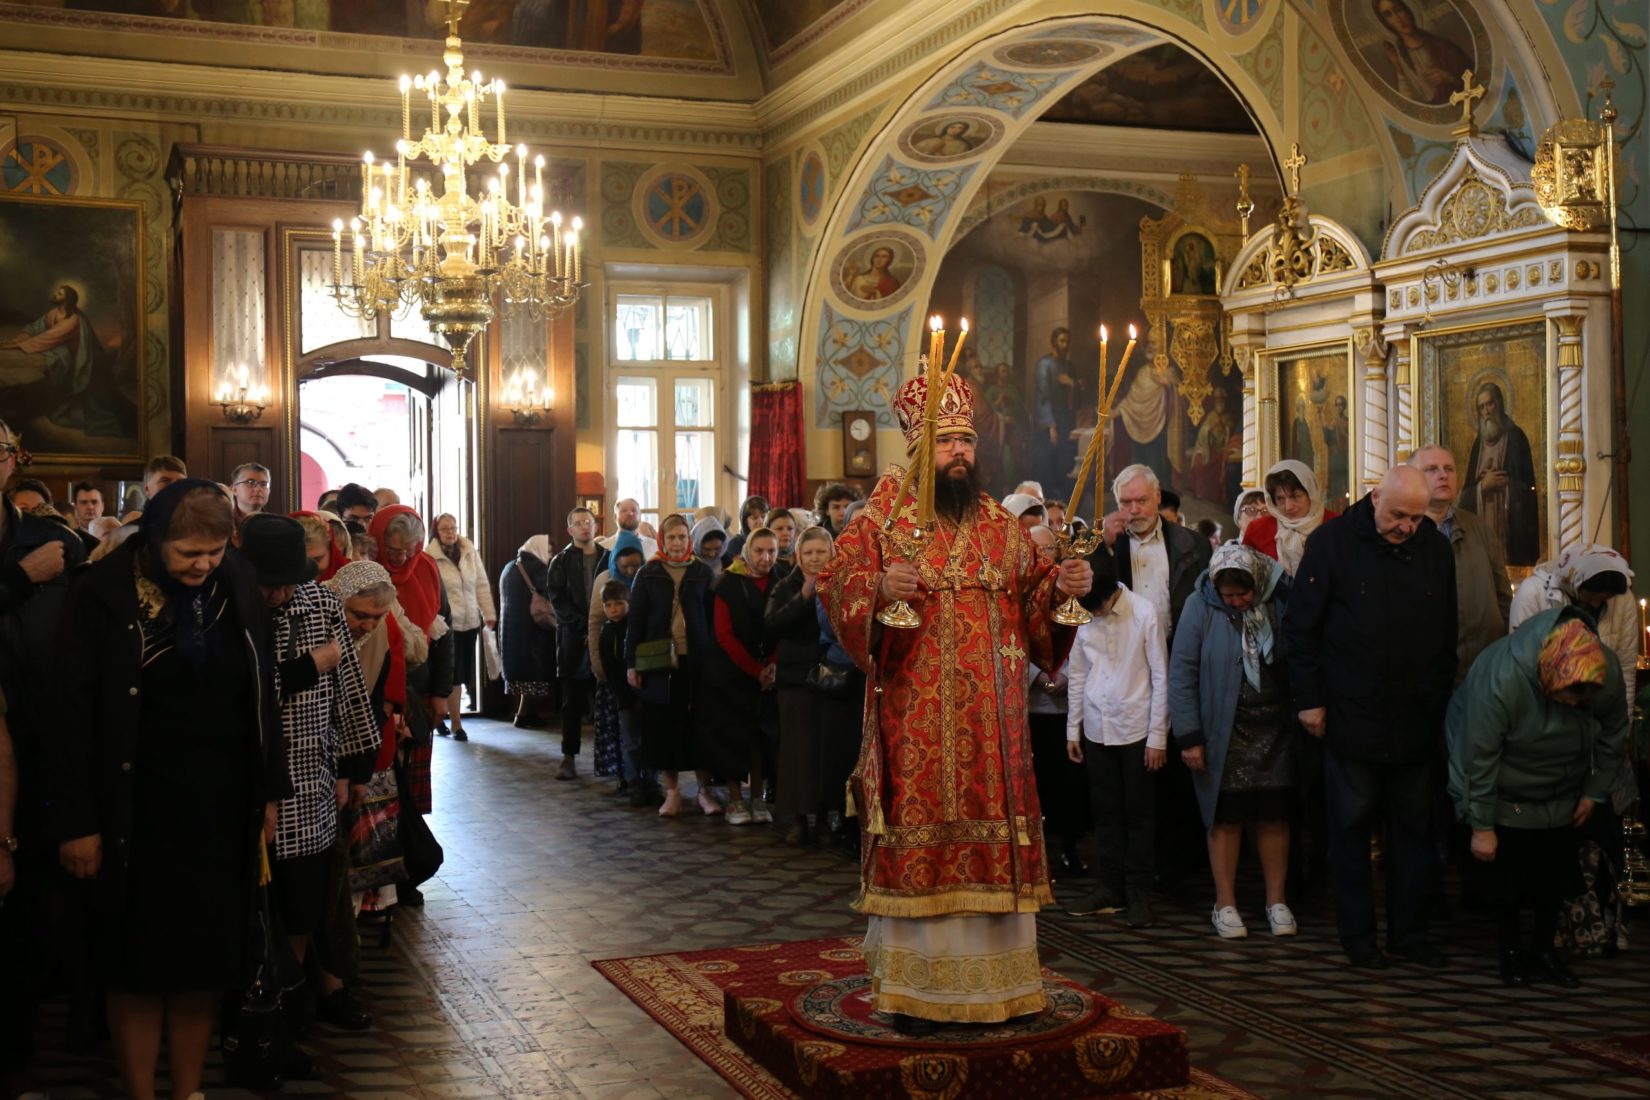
x=261, y=1024
x=831, y=681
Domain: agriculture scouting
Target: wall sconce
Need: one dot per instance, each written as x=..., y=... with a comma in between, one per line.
x=526, y=402
x=240, y=401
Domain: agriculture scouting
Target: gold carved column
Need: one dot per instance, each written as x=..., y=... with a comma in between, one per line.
x=1571, y=466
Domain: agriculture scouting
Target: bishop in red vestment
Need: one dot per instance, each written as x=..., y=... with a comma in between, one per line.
x=953, y=868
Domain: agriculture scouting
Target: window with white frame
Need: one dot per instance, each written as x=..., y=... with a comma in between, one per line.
x=666, y=378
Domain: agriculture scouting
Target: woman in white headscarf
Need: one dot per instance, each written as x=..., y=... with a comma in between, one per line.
x=1294, y=504
x=1598, y=579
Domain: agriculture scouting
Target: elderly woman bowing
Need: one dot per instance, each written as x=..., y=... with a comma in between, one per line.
x=167, y=760
x=1536, y=736
x=1230, y=709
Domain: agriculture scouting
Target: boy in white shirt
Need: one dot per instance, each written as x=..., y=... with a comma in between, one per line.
x=1117, y=724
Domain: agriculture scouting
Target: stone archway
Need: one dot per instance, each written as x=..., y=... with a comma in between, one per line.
x=906, y=197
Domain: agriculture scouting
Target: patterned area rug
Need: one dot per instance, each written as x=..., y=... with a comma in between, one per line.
x=1628, y=1053
x=784, y=1020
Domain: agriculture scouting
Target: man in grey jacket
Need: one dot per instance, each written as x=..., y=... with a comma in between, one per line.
x=1483, y=593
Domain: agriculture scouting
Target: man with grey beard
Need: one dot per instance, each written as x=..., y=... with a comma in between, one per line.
x=1501, y=481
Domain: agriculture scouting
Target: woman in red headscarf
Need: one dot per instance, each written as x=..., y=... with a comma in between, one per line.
x=400, y=537
x=322, y=545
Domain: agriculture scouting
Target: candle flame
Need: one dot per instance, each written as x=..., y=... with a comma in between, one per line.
x=1132, y=333
x=963, y=324
x=936, y=322
x=1103, y=336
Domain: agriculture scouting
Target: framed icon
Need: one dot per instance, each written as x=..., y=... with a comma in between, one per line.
x=859, y=444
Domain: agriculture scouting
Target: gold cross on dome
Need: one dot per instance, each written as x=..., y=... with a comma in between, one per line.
x=1296, y=161
x=1012, y=653
x=1467, y=98
x=455, y=12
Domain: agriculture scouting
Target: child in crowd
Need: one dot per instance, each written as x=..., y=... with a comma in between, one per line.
x=616, y=606
x=1118, y=725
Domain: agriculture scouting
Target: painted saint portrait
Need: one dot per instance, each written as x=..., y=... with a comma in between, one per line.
x=952, y=137
x=1041, y=225
x=876, y=271
x=1484, y=397
x=1414, y=51
x=1192, y=266
x=71, y=326
x=1315, y=423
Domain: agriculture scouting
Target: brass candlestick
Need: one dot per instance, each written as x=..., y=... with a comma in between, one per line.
x=1072, y=613
x=919, y=479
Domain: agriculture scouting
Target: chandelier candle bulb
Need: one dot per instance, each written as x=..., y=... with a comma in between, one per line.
x=366, y=180
x=337, y=252
x=498, y=102
x=406, y=107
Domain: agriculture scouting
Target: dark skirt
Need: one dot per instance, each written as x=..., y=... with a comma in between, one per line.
x=464, y=658
x=1062, y=785
x=728, y=719
x=607, y=731
x=841, y=726
x=1533, y=867
x=798, y=785
x=299, y=892
x=191, y=869
x=667, y=728
x=1261, y=753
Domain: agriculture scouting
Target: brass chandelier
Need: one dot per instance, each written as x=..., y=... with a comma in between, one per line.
x=455, y=252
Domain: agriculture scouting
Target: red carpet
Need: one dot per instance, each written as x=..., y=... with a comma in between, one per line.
x=1628, y=1053
x=792, y=1019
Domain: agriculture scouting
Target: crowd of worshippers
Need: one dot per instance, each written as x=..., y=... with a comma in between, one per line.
x=181, y=678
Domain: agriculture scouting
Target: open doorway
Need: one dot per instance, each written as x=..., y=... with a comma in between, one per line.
x=379, y=420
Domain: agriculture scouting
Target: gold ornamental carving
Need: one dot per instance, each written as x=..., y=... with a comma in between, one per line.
x=1474, y=210
x=1571, y=175
x=933, y=1076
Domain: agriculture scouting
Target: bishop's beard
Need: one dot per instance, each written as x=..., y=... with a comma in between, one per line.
x=1491, y=428
x=955, y=496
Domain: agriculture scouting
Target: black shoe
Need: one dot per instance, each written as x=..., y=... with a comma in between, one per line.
x=1069, y=861
x=1422, y=954
x=1546, y=966
x=441, y=728
x=1368, y=958
x=1099, y=900
x=409, y=896
x=460, y=735
x=340, y=1009
x=914, y=1026
x=1139, y=913
x=298, y=1066
x=1512, y=968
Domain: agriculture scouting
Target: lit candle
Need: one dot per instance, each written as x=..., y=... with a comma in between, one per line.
x=470, y=94
x=1128, y=350
x=573, y=247
x=433, y=82
x=1644, y=634
x=956, y=352
x=337, y=252
x=498, y=101
x=936, y=345
x=366, y=179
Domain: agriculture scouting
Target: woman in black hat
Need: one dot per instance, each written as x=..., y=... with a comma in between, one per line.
x=331, y=738
x=167, y=762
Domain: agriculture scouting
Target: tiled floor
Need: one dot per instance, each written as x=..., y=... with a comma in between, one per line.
x=488, y=990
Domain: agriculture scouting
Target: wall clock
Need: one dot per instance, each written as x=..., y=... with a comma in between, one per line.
x=859, y=444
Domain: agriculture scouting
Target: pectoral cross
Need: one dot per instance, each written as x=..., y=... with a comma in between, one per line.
x=1467, y=98
x=1296, y=161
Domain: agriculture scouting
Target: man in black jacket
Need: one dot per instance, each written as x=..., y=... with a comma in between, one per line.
x=36, y=556
x=1159, y=561
x=572, y=575
x=1370, y=636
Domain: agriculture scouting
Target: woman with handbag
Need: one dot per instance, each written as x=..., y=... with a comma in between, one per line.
x=165, y=766
x=793, y=629
x=527, y=633
x=669, y=631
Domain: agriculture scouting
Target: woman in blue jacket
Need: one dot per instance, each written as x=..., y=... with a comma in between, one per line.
x=1229, y=705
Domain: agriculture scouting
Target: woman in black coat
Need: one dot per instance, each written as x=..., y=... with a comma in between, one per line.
x=793, y=629
x=167, y=762
x=526, y=649
x=668, y=605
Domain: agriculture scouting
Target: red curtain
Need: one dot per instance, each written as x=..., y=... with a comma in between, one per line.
x=777, y=444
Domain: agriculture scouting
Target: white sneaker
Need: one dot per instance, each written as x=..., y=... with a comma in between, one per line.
x=739, y=813
x=1281, y=919
x=1228, y=925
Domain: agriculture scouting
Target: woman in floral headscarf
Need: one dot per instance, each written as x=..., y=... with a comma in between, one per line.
x=1228, y=703
x=1537, y=734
